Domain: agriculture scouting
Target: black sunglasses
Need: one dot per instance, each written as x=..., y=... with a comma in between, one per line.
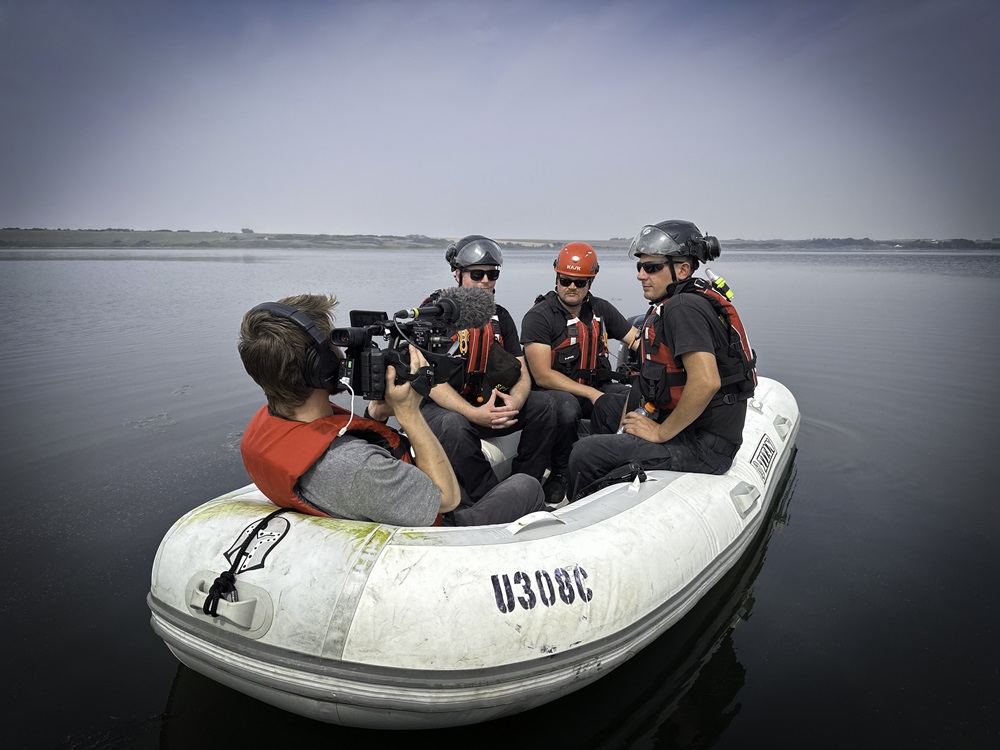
x=649, y=268
x=477, y=275
x=578, y=283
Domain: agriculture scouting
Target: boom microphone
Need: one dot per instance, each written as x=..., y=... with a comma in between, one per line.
x=461, y=307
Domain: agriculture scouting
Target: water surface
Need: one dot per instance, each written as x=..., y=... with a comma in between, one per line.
x=867, y=619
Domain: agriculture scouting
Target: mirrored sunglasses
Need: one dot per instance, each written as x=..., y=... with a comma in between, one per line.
x=649, y=268
x=578, y=283
x=477, y=275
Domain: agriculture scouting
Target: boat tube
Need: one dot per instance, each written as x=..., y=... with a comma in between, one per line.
x=378, y=626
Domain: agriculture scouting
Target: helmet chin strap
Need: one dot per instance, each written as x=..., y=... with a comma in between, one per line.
x=673, y=275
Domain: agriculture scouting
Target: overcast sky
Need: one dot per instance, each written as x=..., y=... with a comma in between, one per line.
x=522, y=118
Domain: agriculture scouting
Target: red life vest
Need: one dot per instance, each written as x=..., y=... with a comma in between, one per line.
x=276, y=452
x=474, y=345
x=661, y=379
x=589, y=343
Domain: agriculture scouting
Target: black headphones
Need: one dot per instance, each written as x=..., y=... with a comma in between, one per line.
x=322, y=369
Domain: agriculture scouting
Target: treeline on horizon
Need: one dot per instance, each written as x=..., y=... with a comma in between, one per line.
x=137, y=238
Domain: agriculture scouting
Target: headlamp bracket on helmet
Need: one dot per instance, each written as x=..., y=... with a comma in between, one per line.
x=707, y=248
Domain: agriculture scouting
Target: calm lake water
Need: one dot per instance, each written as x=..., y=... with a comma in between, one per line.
x=868, y=618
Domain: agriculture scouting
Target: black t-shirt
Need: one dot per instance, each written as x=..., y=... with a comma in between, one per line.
x=690, y=324
x=507, y=329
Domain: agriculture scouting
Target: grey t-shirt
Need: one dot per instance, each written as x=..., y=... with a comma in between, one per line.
x=363, y=482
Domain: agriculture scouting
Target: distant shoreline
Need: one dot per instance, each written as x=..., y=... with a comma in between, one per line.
x=165, y=238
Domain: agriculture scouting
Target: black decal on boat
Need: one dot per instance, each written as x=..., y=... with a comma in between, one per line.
x=259, y=548
x=569, y=582
x=565, y=581
x=545, y=588
x=579, y=574
x=504, y=604
x=528, y=600
x=763, y=457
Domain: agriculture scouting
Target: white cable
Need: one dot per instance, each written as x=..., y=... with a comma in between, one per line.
x=346, y=382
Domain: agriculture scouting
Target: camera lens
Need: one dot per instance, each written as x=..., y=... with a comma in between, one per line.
x=347, y=338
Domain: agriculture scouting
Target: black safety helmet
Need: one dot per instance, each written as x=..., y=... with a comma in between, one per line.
x=675, y=238
x=474, y=250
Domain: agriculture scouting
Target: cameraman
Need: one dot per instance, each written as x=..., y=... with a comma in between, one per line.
x=306, y=453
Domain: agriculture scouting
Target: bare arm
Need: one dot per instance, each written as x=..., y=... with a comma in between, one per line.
x=519, y=393
x=540, y=359
x=702, y=383
x=631, y=338
x=429, y=456
x=448, y=398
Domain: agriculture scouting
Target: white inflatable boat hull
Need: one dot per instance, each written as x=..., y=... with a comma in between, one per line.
x=368, y=625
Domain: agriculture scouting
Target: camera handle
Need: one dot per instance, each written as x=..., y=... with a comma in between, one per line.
x=421, y=381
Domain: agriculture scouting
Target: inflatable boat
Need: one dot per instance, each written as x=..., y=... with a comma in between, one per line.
x=378, y=626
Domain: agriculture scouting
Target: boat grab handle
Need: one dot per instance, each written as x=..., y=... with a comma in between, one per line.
x=239, y=612
x=745, y=498
x=533, y=521
x=250, y=613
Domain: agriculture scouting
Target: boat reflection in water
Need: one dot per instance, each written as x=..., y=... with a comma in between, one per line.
x=680, y=691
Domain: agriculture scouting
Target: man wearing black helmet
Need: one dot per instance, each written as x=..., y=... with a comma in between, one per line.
x=687, y=406
x=492, y=395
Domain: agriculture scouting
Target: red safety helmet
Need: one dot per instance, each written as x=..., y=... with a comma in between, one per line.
x=577, y=259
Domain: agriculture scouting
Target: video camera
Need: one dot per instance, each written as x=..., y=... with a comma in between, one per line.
x=429, y=329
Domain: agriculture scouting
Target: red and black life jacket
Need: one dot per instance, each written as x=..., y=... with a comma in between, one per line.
x=276, y=451
x=474, y=346
x=661, y=378
x=580, y=351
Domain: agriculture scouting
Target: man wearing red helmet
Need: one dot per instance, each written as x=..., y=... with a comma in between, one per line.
x=565, y=337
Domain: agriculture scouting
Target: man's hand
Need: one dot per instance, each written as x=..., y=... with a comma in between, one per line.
x=402, y=399
x=641, y=426
x=494, y=413
x=702, y=384
x=428, y=453
x=504, y=408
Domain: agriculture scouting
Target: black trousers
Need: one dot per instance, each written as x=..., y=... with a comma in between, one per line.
x=570, y=410
x=516, y=496
x=595, y=456
x=460, y=439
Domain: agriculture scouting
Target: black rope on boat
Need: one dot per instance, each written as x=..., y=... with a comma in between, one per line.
x=625, y=473
x=225, y=584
